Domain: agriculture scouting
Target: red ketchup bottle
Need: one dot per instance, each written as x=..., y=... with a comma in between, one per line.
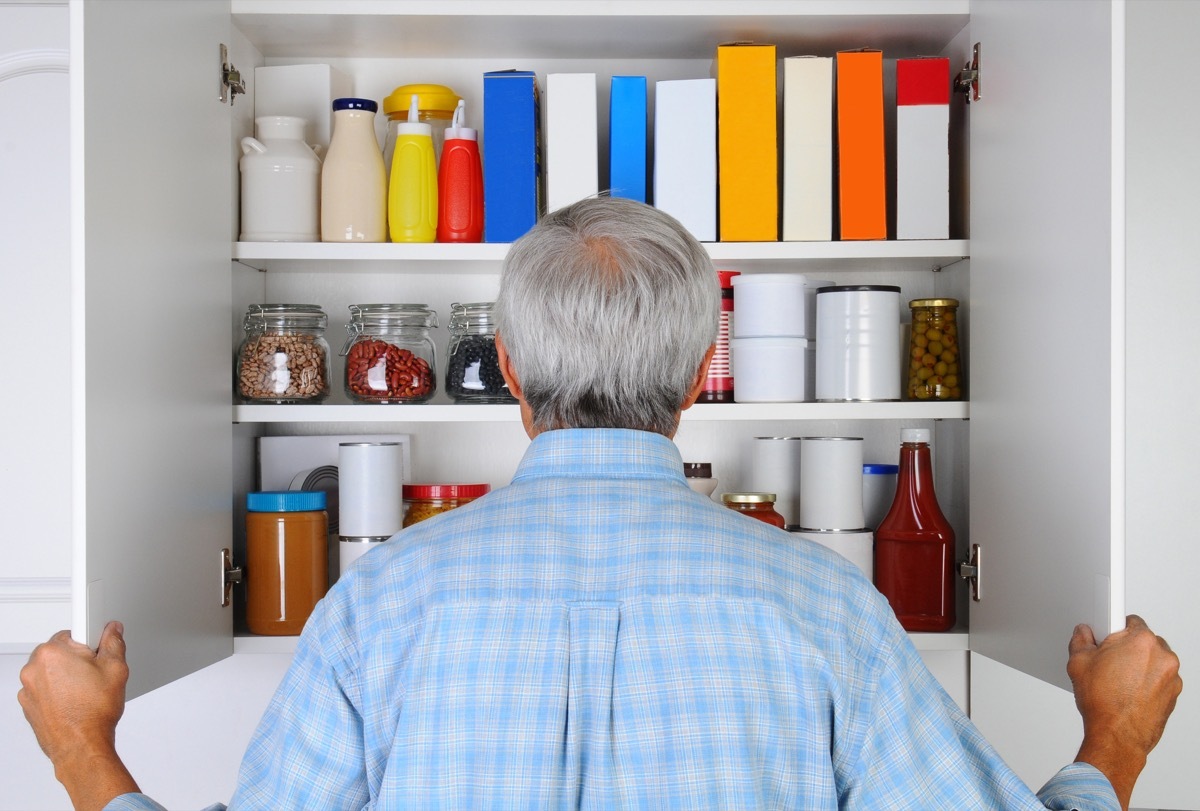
x=460, y=184
x=914, y=544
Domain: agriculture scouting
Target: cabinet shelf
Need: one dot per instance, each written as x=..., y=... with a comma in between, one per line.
x=745, y=412
x=661, y=29
x=484, y=257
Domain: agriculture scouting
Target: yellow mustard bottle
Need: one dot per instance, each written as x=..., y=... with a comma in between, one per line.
x=412, y=188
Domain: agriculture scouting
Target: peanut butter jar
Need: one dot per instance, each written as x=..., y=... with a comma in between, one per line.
x=287, y=564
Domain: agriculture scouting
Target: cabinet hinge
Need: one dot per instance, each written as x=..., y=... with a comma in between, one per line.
x=232, y=83
x=972, y=570
x=967, y=80
x=230, y=574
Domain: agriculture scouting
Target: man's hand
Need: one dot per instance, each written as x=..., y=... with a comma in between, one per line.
x=73, y=698
x=1125, y=689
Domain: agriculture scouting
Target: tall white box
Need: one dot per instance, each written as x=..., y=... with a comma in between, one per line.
x=922, y=148
x=306, y=91
x=808, y=148
x=685, y=153
x=572, y=145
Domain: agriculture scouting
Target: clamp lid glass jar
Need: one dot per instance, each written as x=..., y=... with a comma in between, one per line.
x=934, y=364
x=389, y=355
x=284, y=357
x=473, y=369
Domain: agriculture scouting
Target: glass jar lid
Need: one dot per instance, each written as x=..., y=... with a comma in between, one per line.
x=365, y=317
x=933, y=302
x=474, y=318
x=411, y=491
x=748, y=498
x=260, y=317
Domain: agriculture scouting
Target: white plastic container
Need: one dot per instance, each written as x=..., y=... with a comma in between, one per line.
x=858, y=343
x=353, y=179
x=831, y=496
x=280, y=183
x=770, y=305
x=879, y=490
x=771, y=370
x=370, y=496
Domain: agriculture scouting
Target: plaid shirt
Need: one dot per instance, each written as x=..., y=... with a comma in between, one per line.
x=598, y=636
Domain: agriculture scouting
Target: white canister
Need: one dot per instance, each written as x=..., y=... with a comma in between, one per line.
x=370, y=496
x=775, y=468
x=856, y=547
x=771, y=370
x=770, y=305
x=831, y=483
x=858, y=343
x=280, y=183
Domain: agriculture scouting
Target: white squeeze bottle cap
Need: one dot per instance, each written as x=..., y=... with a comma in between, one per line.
x=456, y=129
x=414, y=126
x=915, y=435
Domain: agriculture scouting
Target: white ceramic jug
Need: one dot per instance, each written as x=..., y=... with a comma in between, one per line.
x=281, y=182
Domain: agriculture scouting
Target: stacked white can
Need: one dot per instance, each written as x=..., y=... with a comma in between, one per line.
x=771, y=352
x=831, y=498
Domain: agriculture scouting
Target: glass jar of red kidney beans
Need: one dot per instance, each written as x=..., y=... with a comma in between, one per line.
x=390, y=357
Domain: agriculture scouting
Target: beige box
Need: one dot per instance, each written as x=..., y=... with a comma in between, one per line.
x=808, y=148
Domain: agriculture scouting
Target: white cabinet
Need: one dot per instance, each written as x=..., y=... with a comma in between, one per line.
x=157, y=464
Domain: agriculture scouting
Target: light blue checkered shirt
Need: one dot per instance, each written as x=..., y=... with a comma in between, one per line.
x=598, y=636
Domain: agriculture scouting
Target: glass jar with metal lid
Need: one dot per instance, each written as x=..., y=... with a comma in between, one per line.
x=755, y=505
x=423, y=501
x=473, y=368
x=389, y=355
x=935, y=369
x=284, y=357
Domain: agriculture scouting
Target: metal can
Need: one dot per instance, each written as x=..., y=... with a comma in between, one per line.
x=935, y=369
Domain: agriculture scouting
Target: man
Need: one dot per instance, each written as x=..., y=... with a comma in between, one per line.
x=596, y=635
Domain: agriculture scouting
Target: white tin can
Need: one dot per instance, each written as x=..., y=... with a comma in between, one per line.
x=858, y=343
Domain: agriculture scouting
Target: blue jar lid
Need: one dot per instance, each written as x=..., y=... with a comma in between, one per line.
x=883, y=469
x=355, y=104
x=285, y=501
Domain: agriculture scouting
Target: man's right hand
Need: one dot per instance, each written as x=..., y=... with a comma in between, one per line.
x=1125, y=689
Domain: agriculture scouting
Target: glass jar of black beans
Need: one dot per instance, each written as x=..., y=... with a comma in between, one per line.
x=472, y=369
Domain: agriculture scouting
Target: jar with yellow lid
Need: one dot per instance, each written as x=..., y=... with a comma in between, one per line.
x=935, y=370
x=435, y=107
x=755, y=505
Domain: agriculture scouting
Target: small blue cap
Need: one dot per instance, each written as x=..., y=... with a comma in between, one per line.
x=285, y=501
x=355, y=104
x=883, y=469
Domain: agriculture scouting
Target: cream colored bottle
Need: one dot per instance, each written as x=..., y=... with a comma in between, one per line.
x=353, y=179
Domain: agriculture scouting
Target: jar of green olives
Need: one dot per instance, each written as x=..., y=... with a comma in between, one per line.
x=935, y=370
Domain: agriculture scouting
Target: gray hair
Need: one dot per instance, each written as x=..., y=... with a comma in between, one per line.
x=607, y=307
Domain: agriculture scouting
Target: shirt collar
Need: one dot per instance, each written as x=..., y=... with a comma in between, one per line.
x=601, y=453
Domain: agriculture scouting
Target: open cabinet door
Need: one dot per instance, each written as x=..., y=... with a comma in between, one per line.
x=151, y=203
x=1047, y=432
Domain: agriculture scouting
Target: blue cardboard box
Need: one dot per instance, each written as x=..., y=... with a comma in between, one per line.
x=512, y=165
x=627, y=137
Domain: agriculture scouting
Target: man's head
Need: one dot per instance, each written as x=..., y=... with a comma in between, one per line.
x=607, y=313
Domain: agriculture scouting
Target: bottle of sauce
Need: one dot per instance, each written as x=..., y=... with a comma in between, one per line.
x=412, y=202
x=718, y=385
x=914, y=544
x=460, y=184
x=353, y=180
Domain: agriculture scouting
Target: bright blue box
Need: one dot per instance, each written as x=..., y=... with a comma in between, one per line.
x=627, y=137
x=512, y=165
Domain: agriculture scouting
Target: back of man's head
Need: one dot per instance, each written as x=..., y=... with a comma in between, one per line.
x=606, y=308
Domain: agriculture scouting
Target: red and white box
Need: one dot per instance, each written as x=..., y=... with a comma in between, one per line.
x=923, y=148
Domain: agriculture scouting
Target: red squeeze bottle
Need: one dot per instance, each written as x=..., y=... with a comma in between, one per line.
x=914, y=544
x=460, y=184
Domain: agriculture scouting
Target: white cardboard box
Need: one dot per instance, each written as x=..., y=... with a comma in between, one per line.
x=808, y=148
x=922, y=148
x=572, y=148
x=685, y=153
x=306, y=91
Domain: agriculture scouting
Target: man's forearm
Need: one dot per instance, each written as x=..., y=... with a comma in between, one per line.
x=93, y=777
x=1121, y=764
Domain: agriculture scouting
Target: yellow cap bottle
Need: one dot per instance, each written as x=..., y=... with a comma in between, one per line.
x=412, y=187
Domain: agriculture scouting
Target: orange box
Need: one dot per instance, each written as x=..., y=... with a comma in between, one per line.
x=747, y=148
x=862, y=179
